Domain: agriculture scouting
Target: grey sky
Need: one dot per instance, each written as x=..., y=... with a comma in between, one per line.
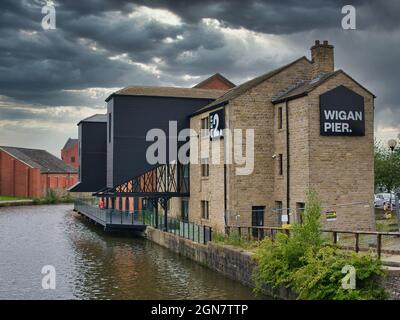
x=51, y=79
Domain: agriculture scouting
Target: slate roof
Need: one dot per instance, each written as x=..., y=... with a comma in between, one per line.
x=173, y=92
x=41, y=159
x=213, y=77
x=95, y=118
x=70, y=143
x=239, y=90
x=304, y=87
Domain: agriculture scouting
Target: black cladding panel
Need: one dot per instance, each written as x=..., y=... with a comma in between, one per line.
x=342, y=113
x=133, y=117
x=93, y=156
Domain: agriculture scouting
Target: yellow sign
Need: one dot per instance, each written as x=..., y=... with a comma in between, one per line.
x=330, y=215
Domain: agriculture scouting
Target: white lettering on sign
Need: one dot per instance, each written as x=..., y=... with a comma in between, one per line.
x=336, y=127
x=343, y=115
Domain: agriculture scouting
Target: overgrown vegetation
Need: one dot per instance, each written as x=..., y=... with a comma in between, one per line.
x=234, y=239
x=311, y=267
x=12, y=198
x=52, y=197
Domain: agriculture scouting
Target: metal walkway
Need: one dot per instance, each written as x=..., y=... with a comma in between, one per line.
x=113, y=220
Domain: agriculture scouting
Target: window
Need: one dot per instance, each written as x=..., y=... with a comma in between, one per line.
x=204, y=210
x=257, y=220
x=280, y=118
x=300, y=206
x=72, y=159
x=278, y=210
x=280, y=159
x=205, y=168
x=204, y=127
x=109, y=127
x=185, y=209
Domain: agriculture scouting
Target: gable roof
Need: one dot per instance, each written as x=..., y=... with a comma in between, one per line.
x=41, y=159
x=239, y=90
x=70, y=143
x=303, y=88
x=95, y=118
x=217, y=76
x=174, y=92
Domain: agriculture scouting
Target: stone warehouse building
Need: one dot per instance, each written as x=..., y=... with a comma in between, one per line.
x=31, y=172
x=313, y=129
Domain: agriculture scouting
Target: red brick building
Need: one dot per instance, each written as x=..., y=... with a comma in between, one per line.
x=31, y=172
x=215, y=82
x=69, y=154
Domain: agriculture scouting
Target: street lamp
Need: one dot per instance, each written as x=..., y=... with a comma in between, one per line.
x=392, y=144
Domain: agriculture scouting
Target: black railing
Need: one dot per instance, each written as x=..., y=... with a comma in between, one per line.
x=350, y=240
x=184, y=229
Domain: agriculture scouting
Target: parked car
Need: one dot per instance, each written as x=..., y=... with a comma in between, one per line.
x=382, y=199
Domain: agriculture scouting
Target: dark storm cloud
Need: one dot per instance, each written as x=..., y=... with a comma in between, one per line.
x=269, y=16
x=54, y=68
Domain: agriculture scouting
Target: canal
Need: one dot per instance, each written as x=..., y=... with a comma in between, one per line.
x=91, y=264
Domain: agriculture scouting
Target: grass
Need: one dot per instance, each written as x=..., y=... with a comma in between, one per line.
x=11, y=198
x=234, y=239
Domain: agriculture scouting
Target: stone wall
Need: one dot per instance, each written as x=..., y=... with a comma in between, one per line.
x=392, y=283
x=230, y=261
x=237, y=264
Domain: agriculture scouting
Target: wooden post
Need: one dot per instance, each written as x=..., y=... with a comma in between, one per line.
x=240, y=232
x=334, y=237
x=357, y=242
x=379, y=245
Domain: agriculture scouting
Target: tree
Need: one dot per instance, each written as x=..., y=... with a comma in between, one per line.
x=387, y=168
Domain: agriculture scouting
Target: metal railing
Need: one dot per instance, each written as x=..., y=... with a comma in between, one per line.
x=378, y=242
x=113, y=216
x=184, y=229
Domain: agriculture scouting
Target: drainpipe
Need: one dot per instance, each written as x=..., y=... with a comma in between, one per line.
x=287, y=161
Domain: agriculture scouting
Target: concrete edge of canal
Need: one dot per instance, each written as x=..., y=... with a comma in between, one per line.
x=238, y=264
x=15, y=203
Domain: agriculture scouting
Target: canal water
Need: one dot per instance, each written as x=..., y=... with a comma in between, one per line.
x=91, y=264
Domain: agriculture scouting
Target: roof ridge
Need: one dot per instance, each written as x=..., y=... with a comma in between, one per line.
x=244, y=87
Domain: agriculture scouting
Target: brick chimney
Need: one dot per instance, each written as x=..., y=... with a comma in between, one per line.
x=321, y=58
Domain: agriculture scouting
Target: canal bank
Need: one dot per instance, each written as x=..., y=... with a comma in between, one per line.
x=238, y=264
x=92, y=264
x=234, y=263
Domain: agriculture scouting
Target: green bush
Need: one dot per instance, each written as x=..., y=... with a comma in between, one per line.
x=312, y=268
x=321, y=276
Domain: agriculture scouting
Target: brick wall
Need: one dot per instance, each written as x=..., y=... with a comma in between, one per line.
x=70, y=154
x=20, y=180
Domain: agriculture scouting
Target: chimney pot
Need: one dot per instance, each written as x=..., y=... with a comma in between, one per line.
x=322, y=58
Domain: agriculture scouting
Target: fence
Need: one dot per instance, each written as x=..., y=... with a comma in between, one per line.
x=378, y=242
x=184, y=229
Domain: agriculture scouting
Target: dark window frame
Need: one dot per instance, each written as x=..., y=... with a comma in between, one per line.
x=280, y=164
x=205, y=126
x=205, y=168
x=280, y=118
x=205, y=209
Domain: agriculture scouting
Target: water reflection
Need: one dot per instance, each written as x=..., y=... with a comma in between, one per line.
x=92, y=264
